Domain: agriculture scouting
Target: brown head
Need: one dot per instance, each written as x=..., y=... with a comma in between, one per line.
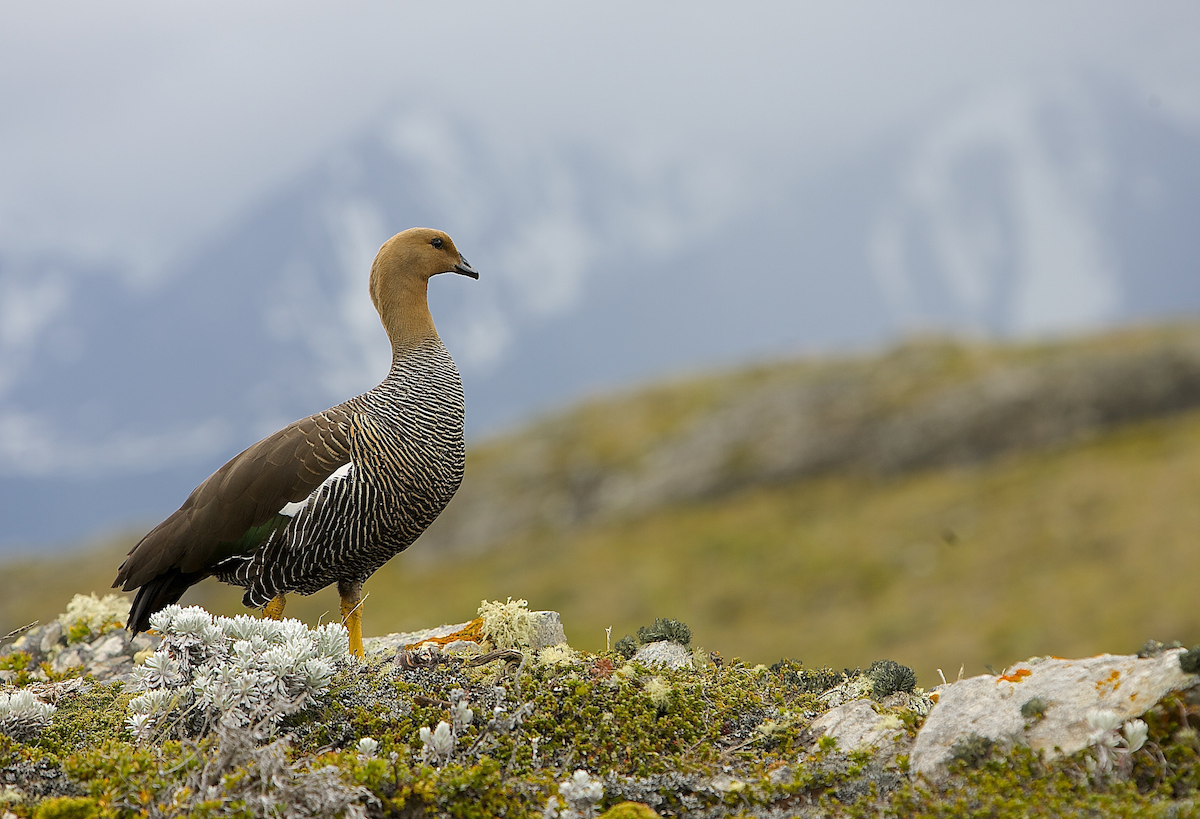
x=400, y=276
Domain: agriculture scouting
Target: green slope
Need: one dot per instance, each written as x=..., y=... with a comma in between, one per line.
x=1080, y=547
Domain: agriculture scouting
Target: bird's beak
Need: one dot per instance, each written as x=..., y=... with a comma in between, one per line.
x=464, y=267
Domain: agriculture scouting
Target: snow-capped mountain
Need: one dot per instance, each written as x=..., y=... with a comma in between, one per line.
x=1020, y=212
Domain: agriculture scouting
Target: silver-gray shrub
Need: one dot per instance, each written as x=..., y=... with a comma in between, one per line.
x=22, y=715
x=231, y=672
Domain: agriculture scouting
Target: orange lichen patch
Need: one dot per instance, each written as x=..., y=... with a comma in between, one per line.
x=934, y=696
x=1015, y=677
x=472, y=631
x=1113, y=680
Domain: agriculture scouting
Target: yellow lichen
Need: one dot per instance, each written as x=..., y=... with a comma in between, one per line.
x=561, y=654
x=659, y=692
x=88, y=615
x=507, y=625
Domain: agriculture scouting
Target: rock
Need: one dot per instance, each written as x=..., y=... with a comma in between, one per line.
x=71, y=658
x=547, y=630
x=390, y=643
x=990, y=706
x=52, y=635
x=145, y=642
x=29, y=642
x=110, y=645
x=462, y=648
x=664, y=654
x=857, y=725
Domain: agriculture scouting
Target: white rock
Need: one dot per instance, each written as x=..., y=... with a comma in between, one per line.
x=664, y=654
x=547, y=630
x=51, y=636
x=463, y=648
x=108, y=648
x=857, y=725
x=67, y=660
x=990, y=706
x=398, y=640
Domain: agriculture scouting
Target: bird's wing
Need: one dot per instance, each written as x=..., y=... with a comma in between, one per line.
x=244, y=494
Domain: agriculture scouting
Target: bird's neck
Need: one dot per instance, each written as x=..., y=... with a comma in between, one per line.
x=407, y=319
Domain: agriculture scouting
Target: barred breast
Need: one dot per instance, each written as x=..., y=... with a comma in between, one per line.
x=407, y=456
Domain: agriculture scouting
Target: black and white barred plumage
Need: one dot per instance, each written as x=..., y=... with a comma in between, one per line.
x=405, y=449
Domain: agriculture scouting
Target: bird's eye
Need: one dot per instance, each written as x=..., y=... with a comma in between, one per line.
x=437, y=242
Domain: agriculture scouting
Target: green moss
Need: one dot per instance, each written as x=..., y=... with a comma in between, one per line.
x=1034, y=708
x=630, y=810
x=664, y=628
x=68, y=807
x=92, y=716
x=1021, y=784
x=972, y=751
x=798, y=680
x=627, y=646
x=888, y=677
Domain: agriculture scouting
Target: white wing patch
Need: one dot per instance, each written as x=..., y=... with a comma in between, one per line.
x=340, y=474
x=292, y=509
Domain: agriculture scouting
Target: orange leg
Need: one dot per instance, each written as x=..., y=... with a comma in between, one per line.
x=351, y=594
x=274, y=609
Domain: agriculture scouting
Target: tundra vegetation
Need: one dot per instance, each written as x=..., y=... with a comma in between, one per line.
x=254, y=718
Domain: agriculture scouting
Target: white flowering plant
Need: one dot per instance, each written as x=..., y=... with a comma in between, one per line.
x=1114, y=741
x=231, y=671
x=580, y=793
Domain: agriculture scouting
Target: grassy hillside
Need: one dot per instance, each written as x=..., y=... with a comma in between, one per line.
x=1082, y=545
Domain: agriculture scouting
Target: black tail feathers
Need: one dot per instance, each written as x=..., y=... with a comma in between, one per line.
x=159, y=593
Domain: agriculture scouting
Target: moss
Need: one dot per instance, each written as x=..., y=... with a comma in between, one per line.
x=1189, y=661
x=717, y=741
x=972, y=751
x=807, y=681
x=93, y=715
x=507, y=625
x=22, y=663
x=1021, y=784
x=630, y=810
x=627, y=646
x=664, y=628
x=68, y=807
x=889, y=677
x=1034, y=708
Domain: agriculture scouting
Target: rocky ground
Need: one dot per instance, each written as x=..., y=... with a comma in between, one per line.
x=500, y=716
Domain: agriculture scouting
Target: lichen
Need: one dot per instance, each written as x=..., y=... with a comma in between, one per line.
x=507, y=625
x=88, y=616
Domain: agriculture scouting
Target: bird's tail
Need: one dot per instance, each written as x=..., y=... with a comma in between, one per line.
x=157, y=594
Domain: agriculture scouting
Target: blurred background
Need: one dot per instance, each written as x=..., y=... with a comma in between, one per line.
x=838, y=331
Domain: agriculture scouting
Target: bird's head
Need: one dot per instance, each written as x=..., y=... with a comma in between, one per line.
x=403, y=267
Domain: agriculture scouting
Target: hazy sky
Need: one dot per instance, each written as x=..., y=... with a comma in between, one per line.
x=129, y=130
